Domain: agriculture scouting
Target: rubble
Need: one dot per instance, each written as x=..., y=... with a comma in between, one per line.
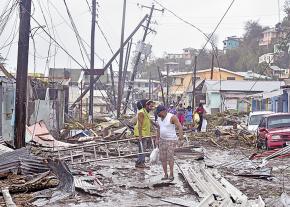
x=96, y=162
x=39, y=134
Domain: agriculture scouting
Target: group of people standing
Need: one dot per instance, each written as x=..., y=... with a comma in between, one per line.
x=186, y=115
x=166, y=123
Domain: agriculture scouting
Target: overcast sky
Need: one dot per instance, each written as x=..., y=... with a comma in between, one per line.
x=172, y=34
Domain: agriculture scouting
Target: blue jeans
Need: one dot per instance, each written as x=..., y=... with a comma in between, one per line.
x=141, y=157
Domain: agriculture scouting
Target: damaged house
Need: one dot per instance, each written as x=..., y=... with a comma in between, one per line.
x=45, y=102
x=230, y=94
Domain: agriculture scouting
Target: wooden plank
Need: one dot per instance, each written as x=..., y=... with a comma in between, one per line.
x=7, y=197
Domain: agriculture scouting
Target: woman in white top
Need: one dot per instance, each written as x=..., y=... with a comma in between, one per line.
x=167, y=138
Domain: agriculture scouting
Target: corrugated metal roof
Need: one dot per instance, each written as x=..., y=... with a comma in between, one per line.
x=21, y=160
x=242, y=85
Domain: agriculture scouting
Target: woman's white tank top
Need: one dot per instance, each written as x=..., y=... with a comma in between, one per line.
x=167, y=130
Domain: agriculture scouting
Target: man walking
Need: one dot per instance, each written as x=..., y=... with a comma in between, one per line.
x=142, y=129
x=167, y=139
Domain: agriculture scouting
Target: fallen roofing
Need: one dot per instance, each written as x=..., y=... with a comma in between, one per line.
x=21, y=161
x=39, y=133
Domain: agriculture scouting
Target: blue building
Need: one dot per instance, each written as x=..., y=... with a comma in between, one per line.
x=276, y=101
x=231, y=43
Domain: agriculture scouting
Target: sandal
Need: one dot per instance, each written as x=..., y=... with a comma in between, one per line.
x=171, y=178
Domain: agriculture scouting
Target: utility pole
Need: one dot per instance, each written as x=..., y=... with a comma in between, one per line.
x=139, y=56
x=161, y=86
x=21, y=75
x=212, y=66
x=113, y=86
x=128, y=52
x=193, y=84
x=167, y=83
x=92, y=65
x=81, y=106
x=120, y=89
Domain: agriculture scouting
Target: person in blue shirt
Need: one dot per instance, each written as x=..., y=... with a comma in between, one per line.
x=188, y=117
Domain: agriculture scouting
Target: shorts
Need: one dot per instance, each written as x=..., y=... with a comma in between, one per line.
x=166, y=149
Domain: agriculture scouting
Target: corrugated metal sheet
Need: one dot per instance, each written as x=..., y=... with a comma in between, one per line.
x=21, y=160
x=4, y=149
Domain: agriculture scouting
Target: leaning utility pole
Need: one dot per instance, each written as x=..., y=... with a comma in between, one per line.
x=109, y=62
x=193, y=84
x=139, y=56
x=92, y=65
x=167, y=84
x=212, y=66
x=120, y=89
x=21, y=74
x=113, y=86
x=161, y=86
x=128, y=52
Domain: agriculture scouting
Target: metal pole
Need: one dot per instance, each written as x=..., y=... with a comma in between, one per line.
x=92, y=65
x=109, y=62
x=150, y=85
x=113, y=86
x=120, y=90
x=137, y=60
x=160, y=80
x=128, y=52
x=81, y=106
x=167, y=84
x=193, y=83
x=212, y=66
x=21, y=75
x=1, y=103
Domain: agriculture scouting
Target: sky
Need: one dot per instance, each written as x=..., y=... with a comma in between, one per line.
x=172, y=35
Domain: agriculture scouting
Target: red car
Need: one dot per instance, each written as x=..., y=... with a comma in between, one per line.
x=274, y=131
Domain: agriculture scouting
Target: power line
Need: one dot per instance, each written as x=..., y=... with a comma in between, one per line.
x=81, y=45
x=57, y=42
x=72, y=29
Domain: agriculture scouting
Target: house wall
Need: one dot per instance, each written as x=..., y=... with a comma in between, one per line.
x=218, y=75
x=231, y=44
x=8, y=97
x=180, y=87
x=261, y=105
x=275, y=104
x=243, y=106
x=213, y=102
x=280, y=103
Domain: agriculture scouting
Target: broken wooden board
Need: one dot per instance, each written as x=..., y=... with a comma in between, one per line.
x=7, y=197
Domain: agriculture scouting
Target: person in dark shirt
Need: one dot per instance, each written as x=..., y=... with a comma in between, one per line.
x=201, y=111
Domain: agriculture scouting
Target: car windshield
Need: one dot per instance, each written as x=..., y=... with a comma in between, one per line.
x=279, y=121
x=255, y=119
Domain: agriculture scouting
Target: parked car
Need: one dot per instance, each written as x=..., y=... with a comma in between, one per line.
x=254, y=120
x=274, y=131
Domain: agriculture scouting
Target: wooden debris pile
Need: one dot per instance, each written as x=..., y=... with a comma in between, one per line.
x=226, y=118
